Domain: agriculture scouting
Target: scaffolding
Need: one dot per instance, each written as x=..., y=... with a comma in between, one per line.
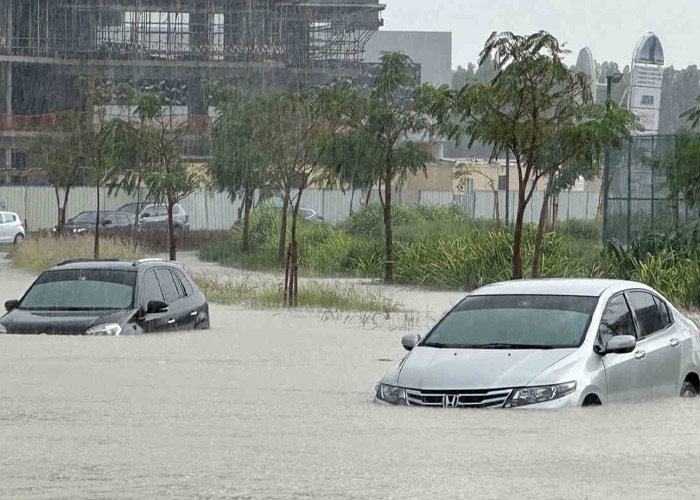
x=294, y=32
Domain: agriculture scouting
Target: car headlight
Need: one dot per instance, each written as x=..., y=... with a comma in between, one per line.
x=391, y=394
x=542, y=394
x=111, y=330
x=2, y=329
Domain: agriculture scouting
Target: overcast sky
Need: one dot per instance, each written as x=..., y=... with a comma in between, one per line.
x=610, y=28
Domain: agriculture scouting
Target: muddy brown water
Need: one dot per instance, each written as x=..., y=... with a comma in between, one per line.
x=273, y=405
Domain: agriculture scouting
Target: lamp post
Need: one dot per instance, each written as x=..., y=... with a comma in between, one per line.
x=614, y=78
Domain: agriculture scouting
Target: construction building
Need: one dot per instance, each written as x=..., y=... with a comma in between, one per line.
x=48, y=46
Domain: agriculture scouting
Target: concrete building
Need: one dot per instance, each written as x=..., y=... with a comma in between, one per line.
x=171, y=46
x=432, y=50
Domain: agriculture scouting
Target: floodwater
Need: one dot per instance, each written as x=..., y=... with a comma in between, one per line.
x=278, y=406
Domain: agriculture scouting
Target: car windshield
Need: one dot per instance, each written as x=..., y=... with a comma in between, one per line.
x=515, y=322
x=81, y=290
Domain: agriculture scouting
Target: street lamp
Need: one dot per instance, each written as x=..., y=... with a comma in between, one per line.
x=614, y=78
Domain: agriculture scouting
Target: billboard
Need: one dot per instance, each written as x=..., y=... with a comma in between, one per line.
x=645, y=85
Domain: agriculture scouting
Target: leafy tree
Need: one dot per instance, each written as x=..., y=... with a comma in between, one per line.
x=386, y=124
x=62, y=160
x=529, y=108
x=292, y=133
x=684, y=168
x=238, y=162
x=167, y=176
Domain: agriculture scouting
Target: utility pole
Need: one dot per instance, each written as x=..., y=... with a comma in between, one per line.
x=507, y=187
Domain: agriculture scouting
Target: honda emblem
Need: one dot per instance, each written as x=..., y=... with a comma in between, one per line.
x=450, y=401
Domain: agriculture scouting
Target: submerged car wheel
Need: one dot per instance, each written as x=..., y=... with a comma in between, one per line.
x=689, y=390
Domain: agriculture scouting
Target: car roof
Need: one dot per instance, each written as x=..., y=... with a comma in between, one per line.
x=576, y=287
x=116, y=265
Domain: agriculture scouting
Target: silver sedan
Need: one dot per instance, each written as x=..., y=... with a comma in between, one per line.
x=549, y=344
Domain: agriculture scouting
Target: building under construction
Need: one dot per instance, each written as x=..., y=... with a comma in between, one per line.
x=170, y=46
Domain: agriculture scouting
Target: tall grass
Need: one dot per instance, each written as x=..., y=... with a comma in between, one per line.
x=39, y=253
x=262, y=294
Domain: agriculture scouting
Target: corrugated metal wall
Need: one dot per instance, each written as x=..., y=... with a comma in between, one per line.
x=37, y=205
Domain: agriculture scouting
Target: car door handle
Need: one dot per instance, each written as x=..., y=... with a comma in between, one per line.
x=675, y=342
x=171, y=321
x=193, y=313
x=640, y=355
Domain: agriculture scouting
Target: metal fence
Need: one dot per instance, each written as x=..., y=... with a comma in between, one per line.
x=209, y=210
x=637, y=199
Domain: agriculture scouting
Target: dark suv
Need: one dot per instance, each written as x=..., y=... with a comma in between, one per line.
x=84, y=297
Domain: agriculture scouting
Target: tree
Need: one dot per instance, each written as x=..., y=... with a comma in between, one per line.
x=61, y=158
x=576, y=150
x=238, y=162
x=387, y=123
x=292, y=133
x=167, y=176
x=531, y=104
x=684, y=168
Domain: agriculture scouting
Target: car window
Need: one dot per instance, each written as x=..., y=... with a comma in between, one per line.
x=616, y=320
x=647, y=313
x=189, y=291
x=150, y=289
x=664, y=312
x=2, y=218
x=167, y=282
x=149, y=211
x=177, y=210
x=161, y=210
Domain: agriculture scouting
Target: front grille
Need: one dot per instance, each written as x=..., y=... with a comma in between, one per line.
x=493, y=398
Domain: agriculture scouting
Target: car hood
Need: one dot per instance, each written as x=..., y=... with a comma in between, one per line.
x=429, y=368
x=59, y=322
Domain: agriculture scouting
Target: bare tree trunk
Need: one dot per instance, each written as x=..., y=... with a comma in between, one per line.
x=389, y=237
x=283, y=229
x=518, y=237
x=352, y=200
x=248, y=205
x=541, y=227
x=555, y=210
x=62, y=214
x=97, y=226
x=59, y=227
x=369, y=195
x=171, y=231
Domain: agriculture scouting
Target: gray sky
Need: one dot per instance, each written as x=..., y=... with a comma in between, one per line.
x=610, y=28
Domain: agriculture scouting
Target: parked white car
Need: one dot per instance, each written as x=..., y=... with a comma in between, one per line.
x=549, y=344
x=11, y=228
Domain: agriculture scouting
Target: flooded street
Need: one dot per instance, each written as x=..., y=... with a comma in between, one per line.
x=273, y=405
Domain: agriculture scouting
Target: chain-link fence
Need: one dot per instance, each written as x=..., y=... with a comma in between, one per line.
x=638, y=198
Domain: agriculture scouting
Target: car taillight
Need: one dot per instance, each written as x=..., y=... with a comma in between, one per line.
x=187, y=219
x=21, y=224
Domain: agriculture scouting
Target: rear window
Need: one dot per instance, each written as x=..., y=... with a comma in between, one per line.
x=81, y=290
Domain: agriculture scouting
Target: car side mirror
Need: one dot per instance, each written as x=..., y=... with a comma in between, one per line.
x=107, y=222
x=620, y=344
x=410, y=341
x=11, y=305
x=156, y=306
x=146, y=215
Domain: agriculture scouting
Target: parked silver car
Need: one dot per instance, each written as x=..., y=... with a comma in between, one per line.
x=155, y=217
x=11, y=228
x=549, y=344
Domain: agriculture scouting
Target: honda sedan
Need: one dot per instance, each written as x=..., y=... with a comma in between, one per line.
x=549, y=344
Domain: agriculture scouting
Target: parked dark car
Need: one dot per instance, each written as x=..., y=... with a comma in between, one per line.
x=154, y=217
x=109, y=221
x=85, y=297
